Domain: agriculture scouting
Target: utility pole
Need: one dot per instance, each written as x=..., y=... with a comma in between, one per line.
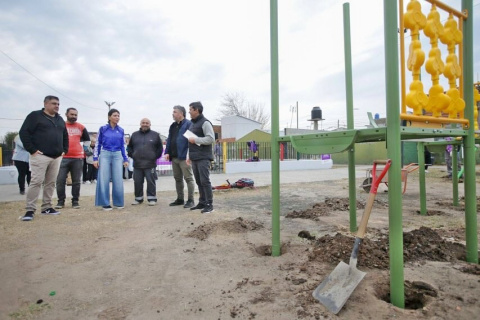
x=297, y=114
x=109, y=104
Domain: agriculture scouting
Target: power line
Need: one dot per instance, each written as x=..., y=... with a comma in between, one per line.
x=37, y=78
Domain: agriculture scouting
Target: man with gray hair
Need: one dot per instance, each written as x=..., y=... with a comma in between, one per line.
x=176, y=151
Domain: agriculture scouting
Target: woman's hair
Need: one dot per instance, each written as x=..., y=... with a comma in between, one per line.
x=112, y=111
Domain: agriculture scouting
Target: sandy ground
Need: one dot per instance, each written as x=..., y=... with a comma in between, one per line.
x=172, y=263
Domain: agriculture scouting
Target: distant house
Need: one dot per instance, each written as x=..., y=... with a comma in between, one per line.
x=256, y=135
x=235, y=127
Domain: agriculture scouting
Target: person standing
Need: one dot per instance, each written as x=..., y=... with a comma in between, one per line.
x=91, y=170
x=200, y=155
x=128, y=171
x=44, y=135
x=448, y=158
x=20, y=160
x=72, y=161
x=176, y=151
x=108, y=156
x=145, y=147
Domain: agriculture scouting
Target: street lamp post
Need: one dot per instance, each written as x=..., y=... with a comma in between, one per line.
x=109, y=104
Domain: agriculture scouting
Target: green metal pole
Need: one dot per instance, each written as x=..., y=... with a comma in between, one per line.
x=352, y=190
x=469, y=142
x=275, y=129
x=455, y=174
x=397, y=290
x=421, y=178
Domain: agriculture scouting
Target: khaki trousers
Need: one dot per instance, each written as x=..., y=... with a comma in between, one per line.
x=181, y=170
x=44, y=172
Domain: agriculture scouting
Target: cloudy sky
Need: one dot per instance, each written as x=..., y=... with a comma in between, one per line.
x=149, y=55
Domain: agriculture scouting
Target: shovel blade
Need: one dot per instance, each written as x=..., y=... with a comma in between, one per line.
x=335, y=290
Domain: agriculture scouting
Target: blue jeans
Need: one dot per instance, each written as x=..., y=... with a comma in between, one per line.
x=110, y=168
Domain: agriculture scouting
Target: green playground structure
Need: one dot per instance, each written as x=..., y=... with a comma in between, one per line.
x=419, y=125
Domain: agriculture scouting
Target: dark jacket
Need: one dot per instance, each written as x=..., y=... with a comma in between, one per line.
x=47, y=134
x=181, y=141
x=145, y=147
x=203, y=151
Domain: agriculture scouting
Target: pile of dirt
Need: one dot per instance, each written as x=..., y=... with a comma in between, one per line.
x=324, y=209
x=237, y=225
x=419, y=245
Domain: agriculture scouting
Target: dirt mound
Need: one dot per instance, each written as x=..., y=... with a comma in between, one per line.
x=238, y=225
x=452, y=234
x=471, y=268
x=420, y=244
x=324, y=209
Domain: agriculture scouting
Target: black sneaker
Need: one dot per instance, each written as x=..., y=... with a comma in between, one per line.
x=50, y=211
x=60, y=205
x=208, y=208
x=28, y=216
x=107, y=208
x=189, y=204
x=177, y=202
x=198, y=206
x=22, y=192
x=75, y=205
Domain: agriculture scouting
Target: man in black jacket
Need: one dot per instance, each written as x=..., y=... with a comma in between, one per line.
x=45, y=137
x=145, y=147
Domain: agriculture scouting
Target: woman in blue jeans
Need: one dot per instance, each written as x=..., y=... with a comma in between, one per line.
x=109, y=158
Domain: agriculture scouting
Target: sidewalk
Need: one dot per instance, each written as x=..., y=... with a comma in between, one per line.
x=166, y=183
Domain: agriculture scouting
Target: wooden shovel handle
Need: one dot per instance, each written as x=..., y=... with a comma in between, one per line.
x=371, y=196
x=366, y=215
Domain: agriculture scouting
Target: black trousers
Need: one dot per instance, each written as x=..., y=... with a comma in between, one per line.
x=91, y=173
x=84, y=170
x=74, y=166
x=201, y=172
x=139, y=175
x=23, y=172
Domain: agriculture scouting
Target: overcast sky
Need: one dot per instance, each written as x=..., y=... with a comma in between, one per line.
x=148, y=56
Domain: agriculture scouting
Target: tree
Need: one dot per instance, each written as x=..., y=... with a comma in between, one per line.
x=236, y=104
x=8, y=140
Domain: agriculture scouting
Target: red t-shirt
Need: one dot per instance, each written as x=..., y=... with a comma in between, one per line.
x=76, y=134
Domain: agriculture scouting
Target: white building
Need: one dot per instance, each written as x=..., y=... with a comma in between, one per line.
x=238, y=126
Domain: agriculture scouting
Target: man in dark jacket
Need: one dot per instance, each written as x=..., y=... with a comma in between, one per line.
x=201, y=154
x=145, y=147
x=176, y=152
x=45, y=137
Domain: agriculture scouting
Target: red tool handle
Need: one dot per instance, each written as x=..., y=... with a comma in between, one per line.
x=376, y=180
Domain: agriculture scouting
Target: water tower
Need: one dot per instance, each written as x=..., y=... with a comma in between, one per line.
x=316, y=116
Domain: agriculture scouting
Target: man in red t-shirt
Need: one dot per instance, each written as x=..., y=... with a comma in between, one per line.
x=72, y=161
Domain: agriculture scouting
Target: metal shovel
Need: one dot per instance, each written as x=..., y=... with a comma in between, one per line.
x=335, y=290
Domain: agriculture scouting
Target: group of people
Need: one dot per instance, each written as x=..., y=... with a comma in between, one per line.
x=51, y=148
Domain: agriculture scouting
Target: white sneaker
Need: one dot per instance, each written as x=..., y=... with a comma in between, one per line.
x=87, y=182
x=119, y=208
x=135, y=202
x=152, y=203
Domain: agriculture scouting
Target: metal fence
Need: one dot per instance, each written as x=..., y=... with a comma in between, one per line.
x=7, y=157
x=241, y=151
x=235, y=151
